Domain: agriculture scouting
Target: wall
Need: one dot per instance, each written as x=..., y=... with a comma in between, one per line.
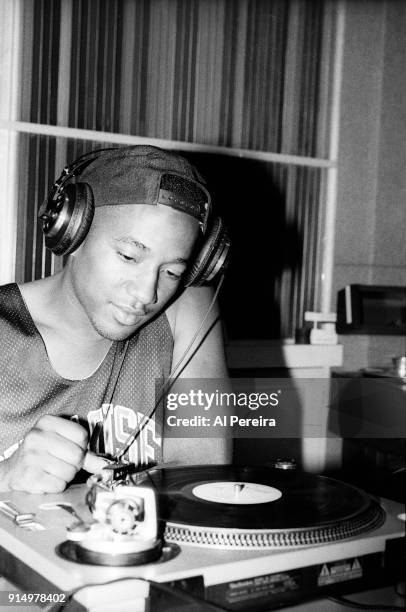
x=371, y=212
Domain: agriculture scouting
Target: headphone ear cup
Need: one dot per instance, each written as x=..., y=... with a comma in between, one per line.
x=212, y=258
x=69, y=218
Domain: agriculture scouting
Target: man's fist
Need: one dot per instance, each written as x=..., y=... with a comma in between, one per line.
x=47, y=459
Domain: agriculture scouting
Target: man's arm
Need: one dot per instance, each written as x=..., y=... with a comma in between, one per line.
x=206, y=360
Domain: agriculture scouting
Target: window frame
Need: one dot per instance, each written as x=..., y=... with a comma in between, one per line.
x=12, y=82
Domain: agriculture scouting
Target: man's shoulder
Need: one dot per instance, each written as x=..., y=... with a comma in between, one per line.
x=188, y=310
x=37, y=290
x=38, y=296
x=16, y=302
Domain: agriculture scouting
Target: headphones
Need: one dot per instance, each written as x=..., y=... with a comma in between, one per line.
x=68, y=211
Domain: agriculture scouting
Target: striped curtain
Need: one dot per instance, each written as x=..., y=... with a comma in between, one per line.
x=242, y=74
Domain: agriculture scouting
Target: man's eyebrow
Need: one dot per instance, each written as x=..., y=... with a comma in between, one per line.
x=133, y=242
x=142, y=247
x=180, y=260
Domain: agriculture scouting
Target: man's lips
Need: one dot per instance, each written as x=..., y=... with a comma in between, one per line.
x=127, y=315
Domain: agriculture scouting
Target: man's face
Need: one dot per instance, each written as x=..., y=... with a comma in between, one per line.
x=130, y=265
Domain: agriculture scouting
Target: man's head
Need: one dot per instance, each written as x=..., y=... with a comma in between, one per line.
x=131, y=265
x=150, y=207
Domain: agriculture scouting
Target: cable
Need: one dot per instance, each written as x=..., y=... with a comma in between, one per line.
x=175, y=374
x=172, y=379
x=165, y=588
x=360, y=606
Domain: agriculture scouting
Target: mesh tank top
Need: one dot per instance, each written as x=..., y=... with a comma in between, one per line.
x=30, y=388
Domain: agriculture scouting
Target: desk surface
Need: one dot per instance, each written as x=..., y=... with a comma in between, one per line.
x=386, y=596
x=28, y=559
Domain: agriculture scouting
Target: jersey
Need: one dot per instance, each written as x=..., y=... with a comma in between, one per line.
x=118, y=394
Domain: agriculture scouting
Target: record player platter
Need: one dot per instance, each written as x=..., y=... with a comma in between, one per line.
x=259, y=507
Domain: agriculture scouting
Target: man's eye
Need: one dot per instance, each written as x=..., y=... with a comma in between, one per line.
x=173, y=275
x=126, y=257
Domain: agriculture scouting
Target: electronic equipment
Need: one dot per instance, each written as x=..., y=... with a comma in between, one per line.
x=68, y=211
x=124, y=525
x=244, y=538
x=124, y=530
x=371, y=309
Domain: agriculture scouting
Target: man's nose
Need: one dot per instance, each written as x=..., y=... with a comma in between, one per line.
x=143, y=288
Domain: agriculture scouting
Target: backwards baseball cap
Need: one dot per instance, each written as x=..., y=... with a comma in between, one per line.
x=145, y=175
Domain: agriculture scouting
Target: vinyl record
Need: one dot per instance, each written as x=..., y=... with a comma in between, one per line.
x=202, y=505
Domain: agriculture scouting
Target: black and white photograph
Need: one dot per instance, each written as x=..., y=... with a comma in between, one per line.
x=202, y=305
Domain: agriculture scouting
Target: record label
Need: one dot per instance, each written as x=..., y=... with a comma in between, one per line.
x=235, y=492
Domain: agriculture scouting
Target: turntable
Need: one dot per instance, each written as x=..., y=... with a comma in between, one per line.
x=242, y=538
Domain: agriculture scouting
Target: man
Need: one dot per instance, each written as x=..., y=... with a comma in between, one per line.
x=88, y=343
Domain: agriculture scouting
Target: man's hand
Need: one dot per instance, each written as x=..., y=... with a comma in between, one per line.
x=47, y=459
